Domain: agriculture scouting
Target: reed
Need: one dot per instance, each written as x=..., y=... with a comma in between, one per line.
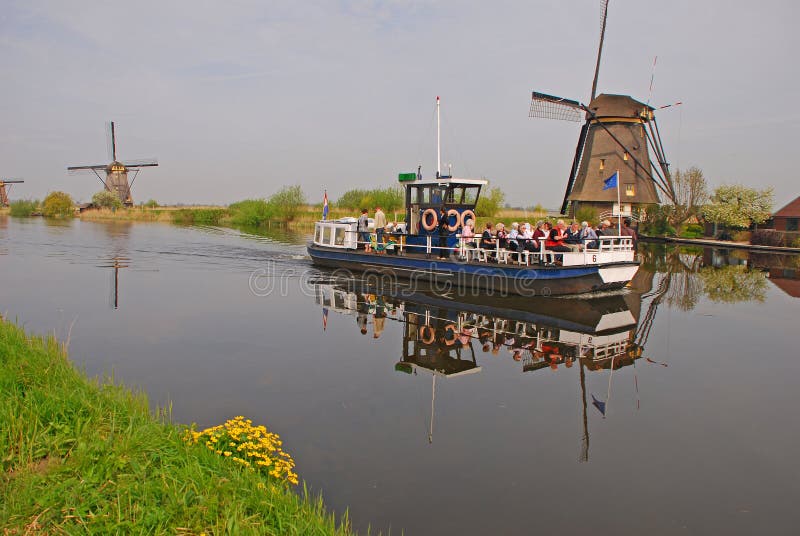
x=88, y=456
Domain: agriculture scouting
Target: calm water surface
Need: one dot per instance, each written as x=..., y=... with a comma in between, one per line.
x=444, y=415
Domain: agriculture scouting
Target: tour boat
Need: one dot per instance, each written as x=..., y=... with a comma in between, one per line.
x=424, y=250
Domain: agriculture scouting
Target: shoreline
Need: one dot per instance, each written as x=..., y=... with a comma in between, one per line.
x=719, y=244
x=84, y=454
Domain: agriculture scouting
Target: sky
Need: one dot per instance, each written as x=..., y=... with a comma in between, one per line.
x=237, y=99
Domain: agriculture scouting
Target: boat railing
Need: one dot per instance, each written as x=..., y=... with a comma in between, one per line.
x=343, y=234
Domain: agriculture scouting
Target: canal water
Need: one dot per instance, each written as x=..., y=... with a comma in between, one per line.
x=669, y=408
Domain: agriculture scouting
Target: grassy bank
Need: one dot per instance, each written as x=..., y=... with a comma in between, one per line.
x=82, y=456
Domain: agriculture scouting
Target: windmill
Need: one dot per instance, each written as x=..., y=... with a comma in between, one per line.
x=618, y=134
x=116, y=180
x=4, y=192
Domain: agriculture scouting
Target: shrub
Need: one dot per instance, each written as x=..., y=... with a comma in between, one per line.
x=251, y=212
x=490, y=203
x=151, y=203
x=106, y=199
x=587, y=213
x=389, y=199
x=201, y=216
x=693, y=230
x=287, y=202
x=57, y=204
x=23, y=208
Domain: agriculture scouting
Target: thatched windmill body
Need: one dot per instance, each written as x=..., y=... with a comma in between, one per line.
x=116, y=172
x=5, y=185
x=618, y=134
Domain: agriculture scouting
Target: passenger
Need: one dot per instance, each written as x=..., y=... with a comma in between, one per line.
x=513, y=245
x=487, y=240
x=627, y=231
x=588, y=236
x=380, y=223
x=605, y=229
x=555, y=241
x=468, y=234
x=530, y=243
x=573, y=240
x=444, y=231
x=363, y=229
x=502, y=236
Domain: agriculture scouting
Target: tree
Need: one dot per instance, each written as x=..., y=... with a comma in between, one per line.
x=287, y=202
x=739, y=206
x=105, y=199
x=490, y=202
x=57, y=204
x=691, y=194
x=151, y=203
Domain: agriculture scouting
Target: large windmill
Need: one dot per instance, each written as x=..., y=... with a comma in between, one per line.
x=116, y=180
x=4, y=192
x=617, y=134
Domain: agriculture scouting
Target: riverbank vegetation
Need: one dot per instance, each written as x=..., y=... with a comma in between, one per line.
x=23, y=208
x=57, y=205
x=89, y=456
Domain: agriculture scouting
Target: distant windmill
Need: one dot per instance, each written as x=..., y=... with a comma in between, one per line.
x=615, y=136
x=116, y=180
x=4, y=192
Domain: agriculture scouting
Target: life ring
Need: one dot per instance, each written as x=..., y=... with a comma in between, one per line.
x=466, y=216
x=453, y=212
x=434, y=223
x=449, y=341
x=426, y=334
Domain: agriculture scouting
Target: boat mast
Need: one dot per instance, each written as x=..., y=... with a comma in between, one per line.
x=438, y=141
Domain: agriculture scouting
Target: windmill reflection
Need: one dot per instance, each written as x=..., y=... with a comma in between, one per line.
x=115, y=263
x=443, y=336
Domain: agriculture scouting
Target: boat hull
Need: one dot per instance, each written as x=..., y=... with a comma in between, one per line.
x=484, y=278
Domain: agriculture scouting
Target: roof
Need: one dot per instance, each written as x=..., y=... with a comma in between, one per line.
x=445, y=181
x=792, y=210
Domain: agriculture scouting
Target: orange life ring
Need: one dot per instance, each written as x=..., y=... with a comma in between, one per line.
x=426, y=334
x=450, y=327
x=435, y=221
x=466, y=216
x=453, y=212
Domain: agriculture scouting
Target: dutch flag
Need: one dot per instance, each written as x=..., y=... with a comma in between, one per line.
x=325, y=206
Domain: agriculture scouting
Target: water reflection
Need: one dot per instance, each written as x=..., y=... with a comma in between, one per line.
x=443, y=337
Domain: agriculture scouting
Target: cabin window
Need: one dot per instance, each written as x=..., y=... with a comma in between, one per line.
x=421, y=195
x=339, y=236
x=326, y=235
x=470, y=195
x=318, y=234
x=630, y=191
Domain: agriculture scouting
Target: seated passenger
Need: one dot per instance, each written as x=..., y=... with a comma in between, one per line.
x=555, y=241
x=468, y=234
x=502, y=236
x=487, y=240
x=513, y=245
x=573, y=240
x=530, y=242
x=588, y=236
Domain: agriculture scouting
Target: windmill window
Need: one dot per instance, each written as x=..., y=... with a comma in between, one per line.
x=630, y=190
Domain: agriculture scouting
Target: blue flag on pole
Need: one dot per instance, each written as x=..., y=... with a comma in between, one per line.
x=611, y=182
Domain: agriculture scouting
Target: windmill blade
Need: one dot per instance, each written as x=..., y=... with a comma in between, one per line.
x=11, y=181
x=546, y=106
x=111, y=141
x=82, y=168
x=146, y=162
x=603, y=18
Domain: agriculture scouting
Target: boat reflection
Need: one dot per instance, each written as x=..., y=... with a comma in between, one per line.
x=443, y=336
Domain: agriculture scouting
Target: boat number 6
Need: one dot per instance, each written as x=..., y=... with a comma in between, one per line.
x=594, y=258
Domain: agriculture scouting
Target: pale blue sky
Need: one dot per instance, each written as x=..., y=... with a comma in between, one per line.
x=238, y=98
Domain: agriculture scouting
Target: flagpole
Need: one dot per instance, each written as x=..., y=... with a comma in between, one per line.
x=619, y=209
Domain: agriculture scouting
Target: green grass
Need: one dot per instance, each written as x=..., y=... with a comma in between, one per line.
x=199, y=216
x=89, y=457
